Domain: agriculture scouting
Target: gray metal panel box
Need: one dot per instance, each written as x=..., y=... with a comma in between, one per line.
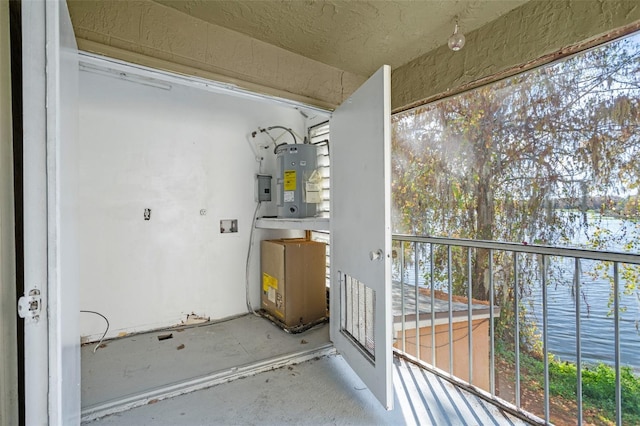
x=296, y=163
x=264, y=187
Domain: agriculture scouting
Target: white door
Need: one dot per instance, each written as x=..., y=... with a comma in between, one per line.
x=50, y=304
x=361, y=233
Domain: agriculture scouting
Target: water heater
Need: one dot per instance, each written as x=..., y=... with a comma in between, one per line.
x=297, y=188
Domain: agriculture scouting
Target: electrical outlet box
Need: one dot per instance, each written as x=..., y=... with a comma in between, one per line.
x=264, y=187
x=228, y=226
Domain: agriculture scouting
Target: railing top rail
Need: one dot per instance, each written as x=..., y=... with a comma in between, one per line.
x=608, y=256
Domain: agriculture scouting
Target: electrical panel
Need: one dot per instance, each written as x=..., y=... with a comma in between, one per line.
x=264, y=187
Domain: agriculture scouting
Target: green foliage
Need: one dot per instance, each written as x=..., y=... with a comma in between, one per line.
x=598, y=388
x=598, y=383
x=543, y=157
x=500, y=162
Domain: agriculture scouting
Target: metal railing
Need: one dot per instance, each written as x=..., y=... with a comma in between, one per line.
x=455, y=300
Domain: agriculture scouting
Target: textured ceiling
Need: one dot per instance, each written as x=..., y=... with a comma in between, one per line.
x=353, y=35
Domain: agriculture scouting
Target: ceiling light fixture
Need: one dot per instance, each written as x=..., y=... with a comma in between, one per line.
x=456, y=41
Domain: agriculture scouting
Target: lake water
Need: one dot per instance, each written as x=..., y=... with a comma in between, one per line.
x=597, y=322
x=596, y=317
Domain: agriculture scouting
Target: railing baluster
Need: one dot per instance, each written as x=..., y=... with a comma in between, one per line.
x=404, y=337
x=516, y=312
x=433, y=308
x=417, y=302
x=470, y=313
x=450, y=290
x=545, y=343
x=360, y=314
x=546, y=253
x=492, y=348
x=577, y=284
x=616, y=318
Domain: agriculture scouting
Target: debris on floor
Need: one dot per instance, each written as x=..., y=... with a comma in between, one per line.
x=162, y=337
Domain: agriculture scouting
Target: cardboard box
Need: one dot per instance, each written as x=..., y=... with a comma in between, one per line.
x=293, y=283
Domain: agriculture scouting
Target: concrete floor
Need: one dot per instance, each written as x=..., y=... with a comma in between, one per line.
x=138, y=368
x=321, y=390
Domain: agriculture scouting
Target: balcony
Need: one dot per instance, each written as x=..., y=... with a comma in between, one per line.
x=247, y=371
x=506, y=353
x=455, y=357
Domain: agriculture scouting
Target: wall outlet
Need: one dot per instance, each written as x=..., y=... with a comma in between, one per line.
x=228, y=225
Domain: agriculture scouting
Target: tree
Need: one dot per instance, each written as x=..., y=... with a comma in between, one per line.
x=494, y=163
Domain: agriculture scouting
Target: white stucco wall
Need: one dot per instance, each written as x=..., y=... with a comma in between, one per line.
x=176, y=152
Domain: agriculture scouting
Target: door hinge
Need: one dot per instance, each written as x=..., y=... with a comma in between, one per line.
x=30, y=306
